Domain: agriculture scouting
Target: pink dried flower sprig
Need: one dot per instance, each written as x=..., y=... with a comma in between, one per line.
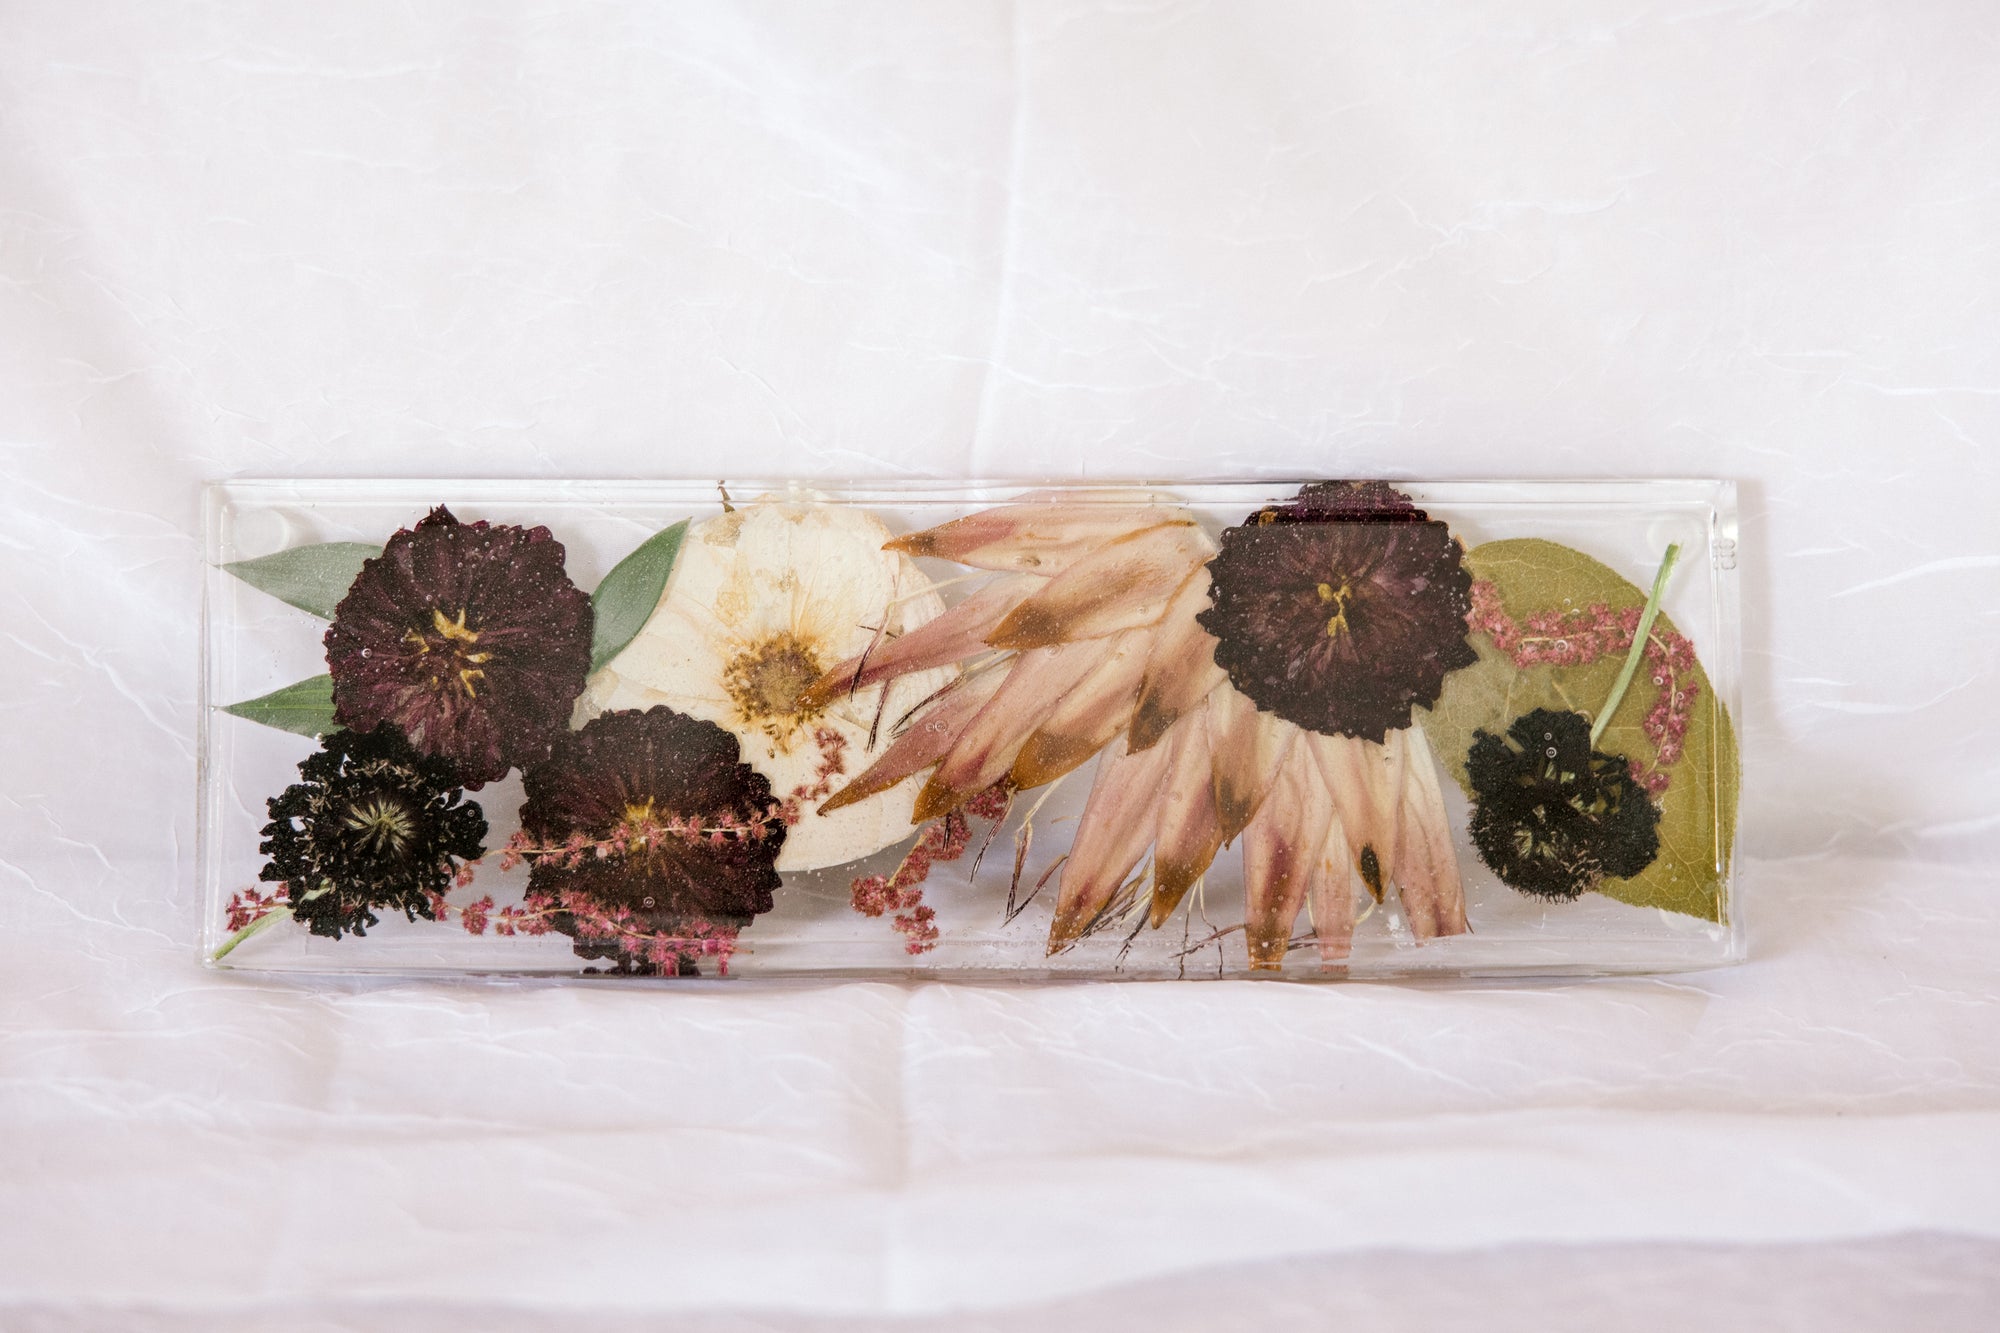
x=1580, y=637
x=638, y=834
x=902, y=893
x=669, y=952
x=249, y=906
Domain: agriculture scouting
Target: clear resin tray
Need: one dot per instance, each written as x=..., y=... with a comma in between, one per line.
x=1300, y=730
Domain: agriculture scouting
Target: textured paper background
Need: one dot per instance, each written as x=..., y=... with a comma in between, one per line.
x=1543, y=239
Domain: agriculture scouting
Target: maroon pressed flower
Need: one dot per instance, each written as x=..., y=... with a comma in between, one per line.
x=652, y=819
x=469, y=637
x=1340, y=610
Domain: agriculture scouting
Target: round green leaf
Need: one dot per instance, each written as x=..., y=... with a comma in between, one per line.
x=1698, y=812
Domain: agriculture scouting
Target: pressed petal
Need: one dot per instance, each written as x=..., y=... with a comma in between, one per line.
x=1111, y=836
x=1124, y=584
x=1330, y=892
x=1182, y=669
x=1427, y=877
x=958, y=633
x=928, y=739
x=985, y=750
x=1366, y=779
x=1246, y=747
x=1088, y=716
x=1281, y=850
x=1038, y=538
x=1189, y=831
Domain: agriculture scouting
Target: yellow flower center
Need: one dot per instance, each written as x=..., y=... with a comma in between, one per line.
x=452, y=643
x=638, y=825
x=1337, y=624
x=767, y=680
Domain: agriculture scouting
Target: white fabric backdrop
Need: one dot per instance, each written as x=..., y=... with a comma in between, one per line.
x=1541, y=239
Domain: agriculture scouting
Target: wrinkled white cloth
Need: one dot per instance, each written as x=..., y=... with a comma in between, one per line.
x=1062, y=239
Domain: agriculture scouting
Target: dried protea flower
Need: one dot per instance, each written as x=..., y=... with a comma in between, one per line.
x=469, y=637
x=1087, y=644
x=1341, y=610
x=372, y=825
x=1556, y=818
x=653, y=818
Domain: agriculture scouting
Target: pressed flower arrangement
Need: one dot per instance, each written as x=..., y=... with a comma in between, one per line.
x=1319, y=730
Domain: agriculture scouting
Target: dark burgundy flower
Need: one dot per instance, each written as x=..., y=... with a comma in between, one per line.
x=1341, y=610
x=651, y=818
x=1555, y=817
x=469, y=637
x=373, y=825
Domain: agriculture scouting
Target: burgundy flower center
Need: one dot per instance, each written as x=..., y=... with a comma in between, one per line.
x=458, y=659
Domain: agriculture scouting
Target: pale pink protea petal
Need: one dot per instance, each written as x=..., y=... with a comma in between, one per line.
x=1426, y=868
x=959, y=632
x=1281, y=849
x=1124, y=584
x=1366, y=780
x=1045, y=537
x=928, y=739
x=1246, y=747
x=1189, y=832
x=985, y=749
x=1330, y=889
x=1089, y=716
x=1110, y=838
x=1182, y=670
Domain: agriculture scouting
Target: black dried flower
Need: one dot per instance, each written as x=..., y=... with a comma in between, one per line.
x=651, y=821
x=1341, y=610
x=469, y=637
x=1555, y=817
x=372, y=825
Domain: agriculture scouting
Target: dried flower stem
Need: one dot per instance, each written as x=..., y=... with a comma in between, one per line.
x=1578, y=638
x=1639, y=639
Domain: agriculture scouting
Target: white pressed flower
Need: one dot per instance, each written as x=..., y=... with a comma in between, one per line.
x=761, y=602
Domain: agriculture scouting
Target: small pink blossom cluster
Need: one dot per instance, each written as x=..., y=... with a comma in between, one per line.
x=902, y=893
x=640, y=834
x=1578, y=638
x=249, y=905
x=1672, y=662
x=1554, y=638
x=991, y=803
x=832, y=747
x=593, y=921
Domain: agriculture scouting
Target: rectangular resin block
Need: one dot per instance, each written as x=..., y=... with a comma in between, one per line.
x=991, y=731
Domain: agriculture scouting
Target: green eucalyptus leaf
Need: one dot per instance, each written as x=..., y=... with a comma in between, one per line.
x=626, y=597
x=312, y=578
x=305, y=708
x=1698, y=812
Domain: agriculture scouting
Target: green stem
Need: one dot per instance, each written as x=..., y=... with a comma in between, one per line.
x=262, y=923
x=265, y=922
x=1638, y=649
